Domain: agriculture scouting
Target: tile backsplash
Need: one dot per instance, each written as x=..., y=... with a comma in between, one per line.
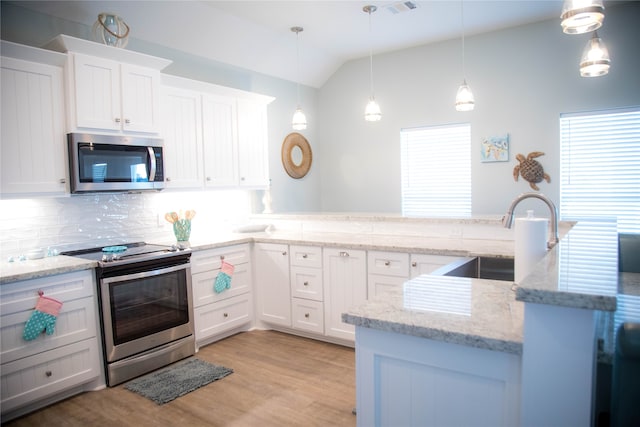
x=72, y=222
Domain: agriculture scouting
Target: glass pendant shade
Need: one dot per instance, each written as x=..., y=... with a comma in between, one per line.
x=595, y=58
x=464, y=98
x=581, y=16
x=299, y=121
x=372, y=111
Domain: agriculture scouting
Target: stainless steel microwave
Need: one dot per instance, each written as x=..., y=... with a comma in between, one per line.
x=114, y=163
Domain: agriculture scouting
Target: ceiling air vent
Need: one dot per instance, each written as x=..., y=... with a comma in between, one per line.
x=401, y=6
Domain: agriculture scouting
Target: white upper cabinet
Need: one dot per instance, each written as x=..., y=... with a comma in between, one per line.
x=110, y=89
x=253, y=153
x=33, y=139
x=181, y=121
x=226, y=147
x=113, y=96
x=219, y=133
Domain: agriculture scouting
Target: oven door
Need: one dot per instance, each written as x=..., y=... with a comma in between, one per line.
x=144, y=310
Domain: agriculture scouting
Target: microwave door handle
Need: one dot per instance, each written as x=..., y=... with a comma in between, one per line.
x=152, y=164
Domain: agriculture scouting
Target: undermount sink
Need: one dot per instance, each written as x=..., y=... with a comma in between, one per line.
x=479, y=268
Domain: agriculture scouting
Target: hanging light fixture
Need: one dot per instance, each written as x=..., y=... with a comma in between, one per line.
x=581, y=16
x=299, y=121
x=372, y=111
x=464, y=97
x=595, y=58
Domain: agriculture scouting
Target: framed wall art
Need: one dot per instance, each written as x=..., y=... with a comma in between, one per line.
x=494, y=149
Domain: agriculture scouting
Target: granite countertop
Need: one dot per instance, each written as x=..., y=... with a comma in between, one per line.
x=470, y=312
x=48, y=266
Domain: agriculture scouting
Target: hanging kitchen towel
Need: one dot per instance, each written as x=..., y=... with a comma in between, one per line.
x=223, y=280
x=43, y=318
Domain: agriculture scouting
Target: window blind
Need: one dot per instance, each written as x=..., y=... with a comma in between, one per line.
x=600, y=167
x=436, y=171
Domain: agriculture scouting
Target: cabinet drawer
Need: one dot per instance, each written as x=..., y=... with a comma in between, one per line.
x=425, y=263
x=306, y=283
x=308, y=315
x=202, y=284
x=210, y=259
x=306, y=256
x=23, y=296
x=76, y=321
x=222, y=316
x=378, y=284
x=27, y=380
x=388, y=263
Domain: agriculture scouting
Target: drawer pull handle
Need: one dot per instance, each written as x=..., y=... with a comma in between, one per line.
x=414, y=264
x=48, y=373
x=226, y=314
x=306, y=283
x=306, y=315
x=387, y=263
x=117, y=119
x=304, y=256
x=284, y=253
x=344, y=254
x=221, y=257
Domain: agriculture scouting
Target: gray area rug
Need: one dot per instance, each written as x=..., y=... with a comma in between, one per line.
x=176, y=380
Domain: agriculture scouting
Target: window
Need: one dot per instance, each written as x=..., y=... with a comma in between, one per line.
x=600, y=167
x=436, y=171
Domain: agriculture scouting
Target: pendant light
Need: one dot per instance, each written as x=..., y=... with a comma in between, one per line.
x=595, y=58
x=464, y=97
x=299, y=121
x=581, y=16
x=372, y=111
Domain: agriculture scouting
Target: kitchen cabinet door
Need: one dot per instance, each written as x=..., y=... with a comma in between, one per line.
x=140, y=99
x=345, y=286
x=272, y=283
x=181, y=131
x=220, y=141
x=33, y=138
x=115, y=97
x=253, y=166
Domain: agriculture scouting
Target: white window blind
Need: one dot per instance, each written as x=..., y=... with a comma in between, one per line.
x=436, y=171
x=600, y=167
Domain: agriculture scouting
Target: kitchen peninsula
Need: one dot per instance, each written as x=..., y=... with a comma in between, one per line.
x=430, y=357
x=487, y=324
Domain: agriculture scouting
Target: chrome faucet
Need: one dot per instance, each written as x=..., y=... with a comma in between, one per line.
x=507, y=220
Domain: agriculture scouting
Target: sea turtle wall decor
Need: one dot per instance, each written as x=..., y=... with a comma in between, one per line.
x=530, y=169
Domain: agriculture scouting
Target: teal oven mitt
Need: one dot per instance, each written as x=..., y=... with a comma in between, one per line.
x=223, y=279
x=43, y=318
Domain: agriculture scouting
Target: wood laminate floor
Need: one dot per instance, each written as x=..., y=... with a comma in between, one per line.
x=278, y=380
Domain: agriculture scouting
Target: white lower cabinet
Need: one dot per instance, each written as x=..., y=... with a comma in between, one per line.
x=345, y=286
x=218, y=313
x=403, y=380
x=49, y=366
x=273, y=291
x=306, y=288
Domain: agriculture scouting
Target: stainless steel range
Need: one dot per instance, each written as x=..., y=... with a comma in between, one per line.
x=145, y=298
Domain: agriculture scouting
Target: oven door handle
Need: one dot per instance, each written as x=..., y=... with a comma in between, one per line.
x=143, y=274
